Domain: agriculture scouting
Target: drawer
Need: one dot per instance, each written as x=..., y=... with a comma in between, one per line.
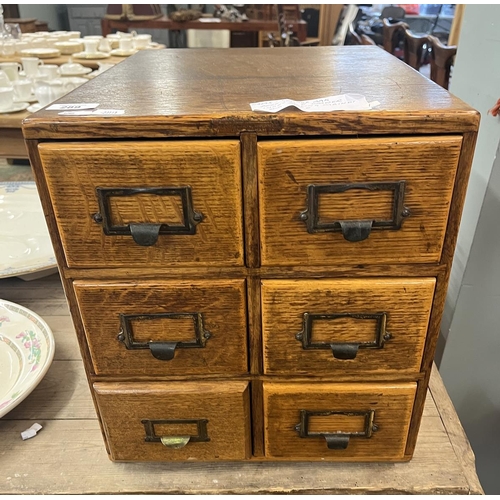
x=165, y=327
x=175, y=421
x=349, y=327
x=161, y=204
x=341, y=422
x=355, y=201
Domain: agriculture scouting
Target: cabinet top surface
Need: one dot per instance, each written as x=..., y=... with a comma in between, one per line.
x=214, y=88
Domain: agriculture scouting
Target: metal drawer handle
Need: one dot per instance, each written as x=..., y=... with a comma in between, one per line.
x=354, y=230
x=336, y=440
x=175, y=442
x=165, y=350
x=146, y=234
x=344, y=350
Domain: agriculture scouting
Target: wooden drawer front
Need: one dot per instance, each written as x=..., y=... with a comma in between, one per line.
x=188, y=190
x=343, y=422
x=316, y=193
x=345, y=326
x=137, y=416
x=207, y=320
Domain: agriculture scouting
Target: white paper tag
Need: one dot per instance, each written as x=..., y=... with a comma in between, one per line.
x=330, y=103
x=83, y=105
x=99, y=112
x=31, y=432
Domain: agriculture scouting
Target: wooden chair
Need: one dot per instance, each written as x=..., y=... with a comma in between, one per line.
x=353, y=37
x=366, y=40
x=441, y=61
x=391, y=33
x=413, y=49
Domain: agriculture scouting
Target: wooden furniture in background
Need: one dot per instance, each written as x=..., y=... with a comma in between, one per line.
x=366, y=40
x=414, y=48
x=456, y=25
x=70, y=457
x=26, y=25
x=442, y=57
x=336, y=229
x=329, y=15
x=391, y=33
x=108, y=25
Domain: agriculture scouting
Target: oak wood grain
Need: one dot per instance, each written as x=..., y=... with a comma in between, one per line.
x=407, y=303
x=221, y=303
x=212, y=170
x=392, y=405
x=287, y=168
x=225, y=406
x=213, y=89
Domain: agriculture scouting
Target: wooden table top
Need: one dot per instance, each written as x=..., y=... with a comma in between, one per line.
x=213, y=89
x=68, y=454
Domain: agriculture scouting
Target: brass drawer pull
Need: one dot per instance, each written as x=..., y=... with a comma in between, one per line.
x=337, y=440
x=354, y=230
x=165, y=350
x=146, y=234
x=175, y=442
x=344, y=350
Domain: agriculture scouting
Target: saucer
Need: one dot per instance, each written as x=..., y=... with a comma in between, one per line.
x=123, y=53
x=154, y=46
x=82, y=71
x=17, y=106
x=42, y=53
x=31, y=98
x=34, y=108
x=85, y=55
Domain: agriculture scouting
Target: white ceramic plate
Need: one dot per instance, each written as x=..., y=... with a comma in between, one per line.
x=81, y=71
x=26, y=352
x=123, y=53
x=42, y=53
x=32, y=98
x=16, y=106
x=34, y=108
x=84, y=55
x=25, y=246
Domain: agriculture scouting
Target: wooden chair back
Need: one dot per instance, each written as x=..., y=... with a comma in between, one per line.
x=390, y=33
x=441, y=61
x=366, y=40
x=414, y=48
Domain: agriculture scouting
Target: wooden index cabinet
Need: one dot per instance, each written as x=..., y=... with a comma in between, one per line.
x=252, y=286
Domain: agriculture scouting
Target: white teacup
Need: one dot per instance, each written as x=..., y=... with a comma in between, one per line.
x=142, y=41
x=22, y=89
x=74, y=34
x=49, y=71
x=91, y=45
x=4, y=79
x=11, y=69
x=126, y=44
x=6, y=98
x=9, y=48
x=30, y=66
x=104, y=45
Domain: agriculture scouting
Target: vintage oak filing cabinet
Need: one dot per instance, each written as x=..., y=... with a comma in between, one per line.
x=249, y=285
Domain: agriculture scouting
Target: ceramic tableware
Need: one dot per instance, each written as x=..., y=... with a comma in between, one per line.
x=30, y=66
x=6, y=98
x=90, y=45
x=41, y=52
x=8, y=48
x=49, y=91
x=26, y=352
x=49, y=71
x=69, y=47
x=4, y=79
x=142, y=41
x=22, y=89
x=25, y=247
x=126, y=44
x=11, y=69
